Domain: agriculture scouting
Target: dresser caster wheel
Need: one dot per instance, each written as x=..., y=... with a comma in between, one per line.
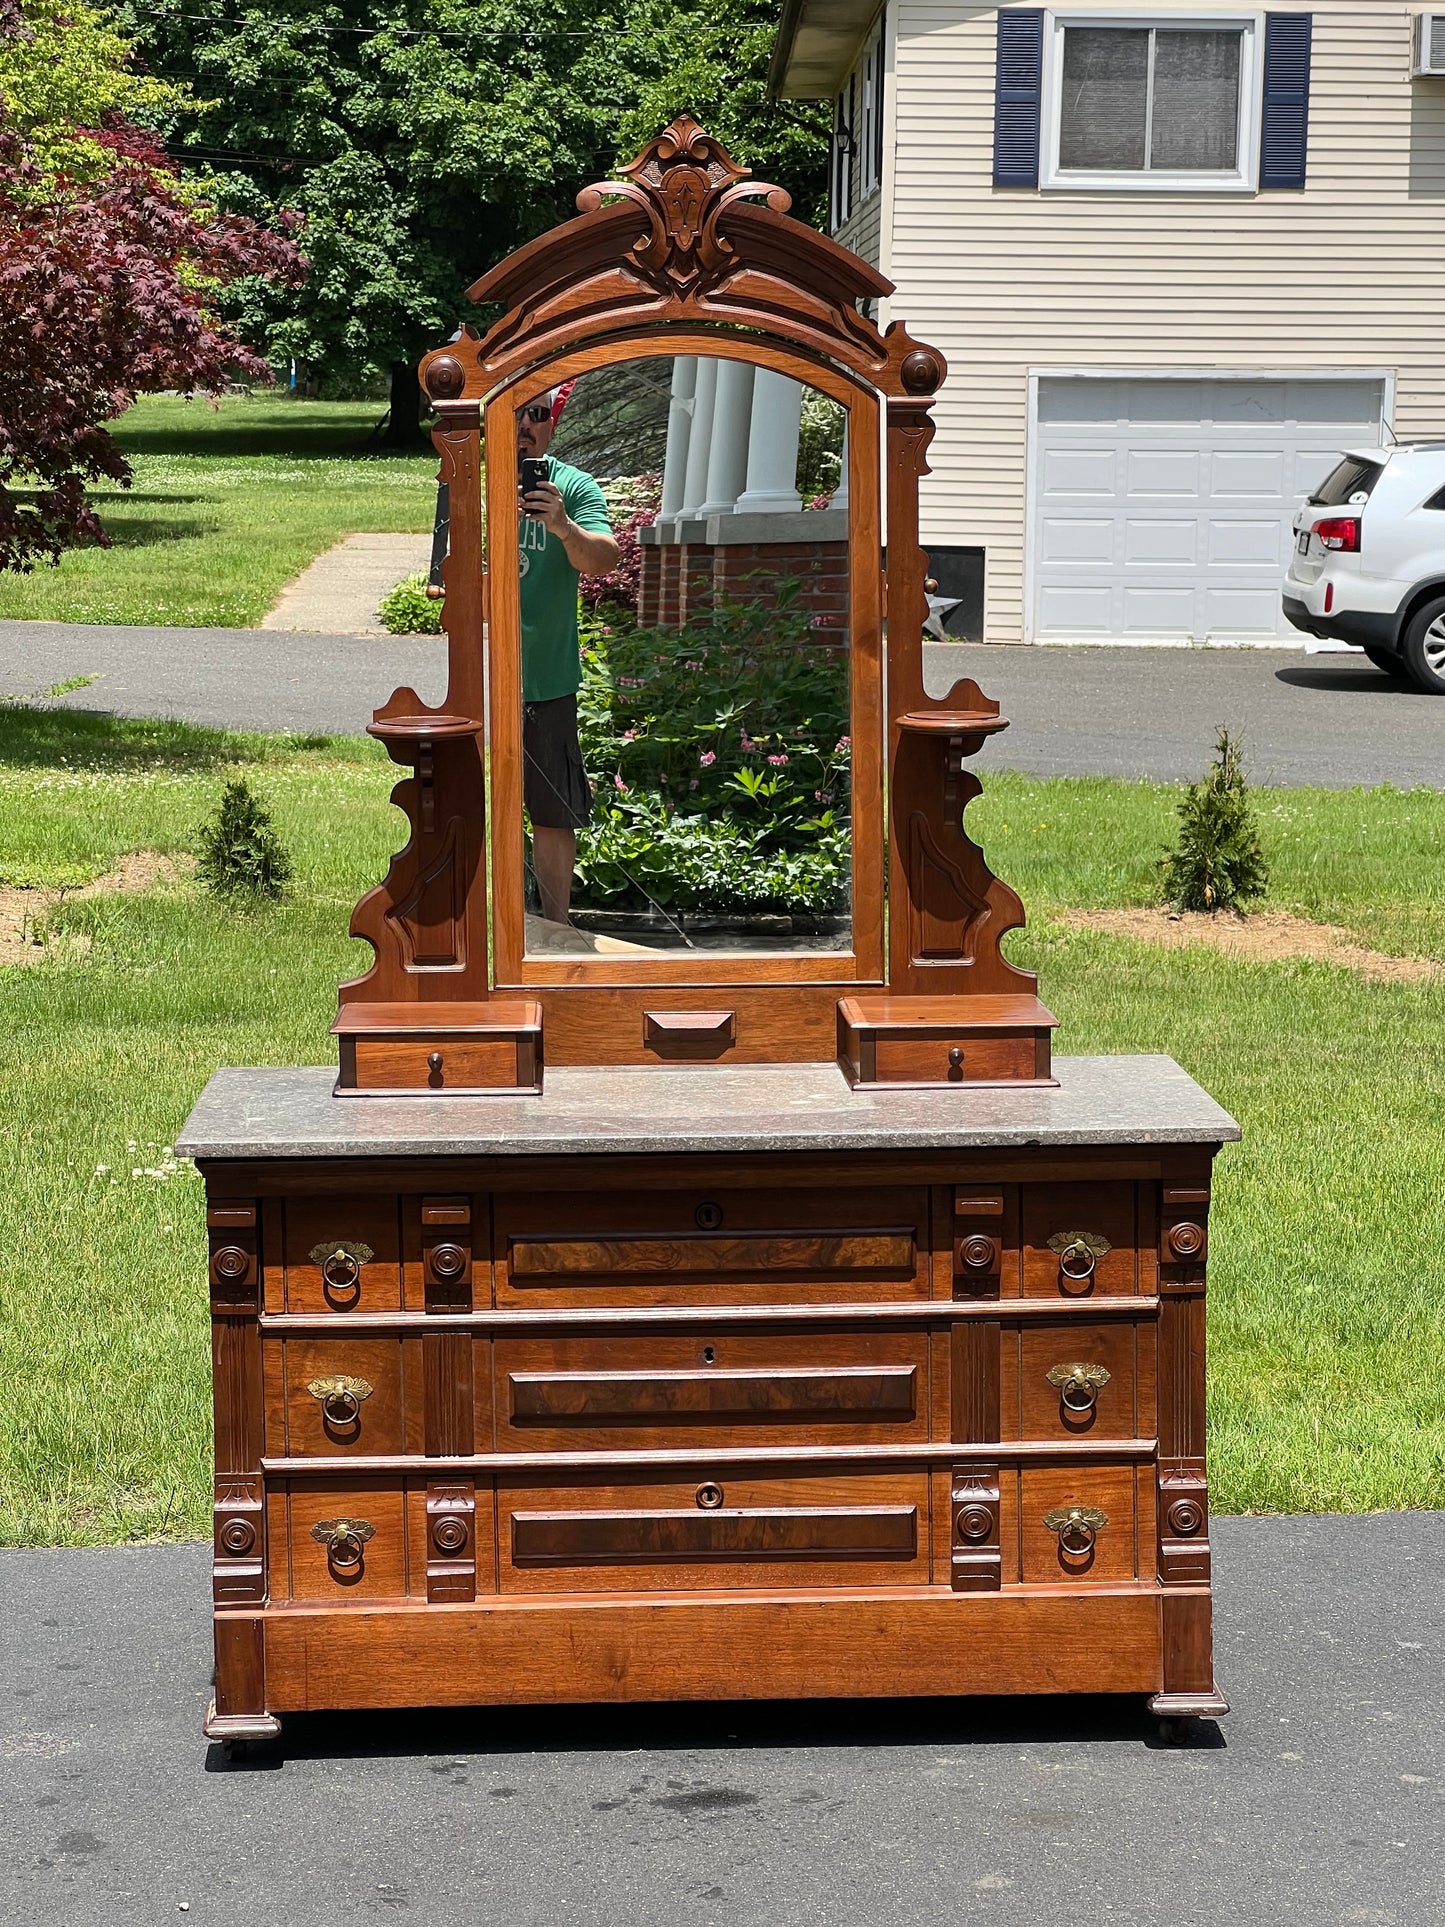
x=237, y=1752
x=1178, y=1731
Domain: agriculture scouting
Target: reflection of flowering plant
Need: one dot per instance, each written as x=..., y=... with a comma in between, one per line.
x=632, y=504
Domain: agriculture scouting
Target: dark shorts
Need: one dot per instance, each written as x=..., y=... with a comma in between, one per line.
x=554, y=782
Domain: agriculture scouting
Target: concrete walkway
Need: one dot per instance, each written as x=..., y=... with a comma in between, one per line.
x=339, y=592
x=1319, y=1800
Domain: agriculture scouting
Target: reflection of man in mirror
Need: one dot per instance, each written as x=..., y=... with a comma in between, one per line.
x=563, y=533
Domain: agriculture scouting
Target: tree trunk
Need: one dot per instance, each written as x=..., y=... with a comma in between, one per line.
x=403, y=428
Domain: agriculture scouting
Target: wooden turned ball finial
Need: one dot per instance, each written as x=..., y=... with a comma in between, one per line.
x=445, y=378
x=921, y=372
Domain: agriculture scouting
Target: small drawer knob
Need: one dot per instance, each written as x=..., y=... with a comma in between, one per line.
x=955, y=1061
x=340, y=1397
x=1078, y=1384
x=1077, y=1527
x=344, y=1540
x=434, y=1060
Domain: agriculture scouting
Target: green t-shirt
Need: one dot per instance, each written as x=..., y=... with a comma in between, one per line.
x=551, y=664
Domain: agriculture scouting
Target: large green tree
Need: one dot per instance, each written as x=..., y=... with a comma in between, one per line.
x=423, y=139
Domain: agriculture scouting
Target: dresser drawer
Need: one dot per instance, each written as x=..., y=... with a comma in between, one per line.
x=353, y=1394
x=1078, y=1380
x=360, y=1539
x=712, y=1247
x=1076, y=1523
x=341, y=1254
x=709, y=1530
x=1083, y=1240
x=710, y=1389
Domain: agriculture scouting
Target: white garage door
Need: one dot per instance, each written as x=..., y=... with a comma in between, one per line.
x=1162, y=508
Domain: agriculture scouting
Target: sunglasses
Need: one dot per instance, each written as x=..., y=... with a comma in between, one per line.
x=540, y=411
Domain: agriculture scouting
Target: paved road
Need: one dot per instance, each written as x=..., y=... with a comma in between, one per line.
x=1074, y=712
x=1319, y=1800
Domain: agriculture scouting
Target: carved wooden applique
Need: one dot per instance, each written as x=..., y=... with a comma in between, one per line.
x=683, y=254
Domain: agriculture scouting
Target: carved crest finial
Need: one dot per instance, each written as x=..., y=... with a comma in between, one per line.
x=683, y=181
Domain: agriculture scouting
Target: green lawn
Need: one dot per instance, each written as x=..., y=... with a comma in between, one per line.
x=1328, y=1270
x=227, y=505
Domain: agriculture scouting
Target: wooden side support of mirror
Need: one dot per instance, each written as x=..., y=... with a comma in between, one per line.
x=684, y=240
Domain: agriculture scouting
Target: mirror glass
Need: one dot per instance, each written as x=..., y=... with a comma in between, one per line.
x=683, y=558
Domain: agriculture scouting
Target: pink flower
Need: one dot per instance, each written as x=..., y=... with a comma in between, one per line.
x=620, y=785
x=777, y=760
x=844, y=742
x=628, y=735
x=693, y=784
x=707, y=759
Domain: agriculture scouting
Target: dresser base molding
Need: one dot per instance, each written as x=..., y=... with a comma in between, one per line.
x=229, y=1728
x=641, y=1647
x=1189, y=1706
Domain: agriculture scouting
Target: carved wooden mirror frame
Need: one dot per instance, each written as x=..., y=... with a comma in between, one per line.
x=685, y=254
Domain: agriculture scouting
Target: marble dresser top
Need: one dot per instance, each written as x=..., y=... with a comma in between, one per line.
x=745, y=1107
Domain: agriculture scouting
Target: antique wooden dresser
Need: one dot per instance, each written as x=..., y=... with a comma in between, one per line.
x=663, y=1303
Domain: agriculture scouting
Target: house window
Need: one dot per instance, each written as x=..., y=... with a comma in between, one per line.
x=870, y=159
x=1166, y=103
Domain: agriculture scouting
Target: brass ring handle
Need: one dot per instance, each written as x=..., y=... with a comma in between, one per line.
x=340, y=1397
x=1079, y=1385
x=1079, y=1253
x=1077, y=1527
x=341, y=1271
x=344, y=1540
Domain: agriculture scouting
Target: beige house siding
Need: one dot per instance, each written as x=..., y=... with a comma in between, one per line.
x=1347, y=274
x=862, y=231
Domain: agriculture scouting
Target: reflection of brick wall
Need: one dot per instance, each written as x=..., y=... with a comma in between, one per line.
x=744, y=558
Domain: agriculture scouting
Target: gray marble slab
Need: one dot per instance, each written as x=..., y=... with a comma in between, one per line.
x=746, y=1107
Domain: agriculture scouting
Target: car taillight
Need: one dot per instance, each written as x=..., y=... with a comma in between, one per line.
x=1341, y=533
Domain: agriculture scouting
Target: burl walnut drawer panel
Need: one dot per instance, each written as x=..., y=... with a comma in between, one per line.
x=1066, y=1523
x=352, y=1394
x=715, y=1388
x=354, y=1540
x=1084, y=1240
x=340, y=1254
x=1078, y=1380
x=710, y=1531
x=718, y=1247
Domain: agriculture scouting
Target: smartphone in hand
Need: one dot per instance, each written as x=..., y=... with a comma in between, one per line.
x=536, y=469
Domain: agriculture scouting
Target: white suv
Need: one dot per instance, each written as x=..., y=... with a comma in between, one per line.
x=1369, y=559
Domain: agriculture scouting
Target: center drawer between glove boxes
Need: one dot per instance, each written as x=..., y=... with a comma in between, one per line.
x=712, y=1529
x=710, y=1248
x=712, y=1388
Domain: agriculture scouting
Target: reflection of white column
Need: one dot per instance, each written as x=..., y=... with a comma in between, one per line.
x=840, y=494
x=699, y=441
x=773, y=446
x=732, y=414
x=679, y=426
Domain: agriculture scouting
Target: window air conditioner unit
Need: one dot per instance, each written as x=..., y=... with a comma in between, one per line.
x=1429, y=59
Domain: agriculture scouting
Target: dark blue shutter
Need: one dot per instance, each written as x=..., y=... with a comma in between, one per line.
x=1018, y=96
x=1284, y=141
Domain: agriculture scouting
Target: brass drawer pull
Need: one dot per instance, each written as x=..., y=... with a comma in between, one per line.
x=1078, y=1385
x=340, y=1397
x=341, y=1261
x=709, y=1496
x=1079, y=1252
x=344, y=1540
x=1077, y=1527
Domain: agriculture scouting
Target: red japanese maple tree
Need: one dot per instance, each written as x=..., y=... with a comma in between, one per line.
x=107, y=290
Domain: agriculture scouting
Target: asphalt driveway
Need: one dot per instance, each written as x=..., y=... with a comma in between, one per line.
x=1319, y=1800
x=1331, y=720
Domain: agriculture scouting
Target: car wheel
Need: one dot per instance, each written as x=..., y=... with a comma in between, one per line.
x=1425, y=646
x=1385, y=660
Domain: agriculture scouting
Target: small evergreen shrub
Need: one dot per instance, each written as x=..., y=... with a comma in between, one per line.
x=240, y=855
x=407, y=610
x=1218, y=863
